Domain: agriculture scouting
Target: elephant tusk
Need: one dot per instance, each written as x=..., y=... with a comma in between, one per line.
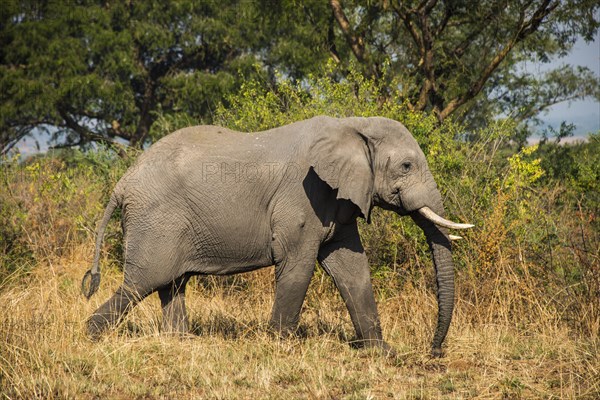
x=454, y=237
x=436, y=219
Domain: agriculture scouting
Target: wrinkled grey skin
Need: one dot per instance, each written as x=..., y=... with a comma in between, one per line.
x=207, y=200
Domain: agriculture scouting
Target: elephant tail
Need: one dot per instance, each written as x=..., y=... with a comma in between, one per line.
x=93, y=274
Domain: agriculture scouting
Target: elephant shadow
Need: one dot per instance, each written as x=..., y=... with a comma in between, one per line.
x=221, y=325
x=218, y=324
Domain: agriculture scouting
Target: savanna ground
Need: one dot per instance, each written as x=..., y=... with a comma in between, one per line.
x=527, y=316
x=520, y=329
x=45, y=353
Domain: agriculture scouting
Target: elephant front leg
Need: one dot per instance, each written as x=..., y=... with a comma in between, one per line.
x=345, y=261
x=291, y=283
x=172, y=298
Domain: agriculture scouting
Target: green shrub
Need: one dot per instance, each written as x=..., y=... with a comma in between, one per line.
x=50, y=204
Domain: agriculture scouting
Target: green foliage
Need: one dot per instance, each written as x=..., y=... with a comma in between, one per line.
x=257, y=107
x=448, y=55
x=105, y=72
x=587, y=162
x=577, y=166
x=94, y=71
x=523, y=173
x=50, y=205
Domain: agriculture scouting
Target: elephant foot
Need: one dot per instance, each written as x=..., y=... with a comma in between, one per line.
x=110, y=313
x=437, y=352
x=386, y=350
x=175, y=326
x=96, y=326
x=287, y=331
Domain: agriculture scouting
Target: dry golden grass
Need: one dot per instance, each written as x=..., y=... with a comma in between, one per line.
x=490, y=352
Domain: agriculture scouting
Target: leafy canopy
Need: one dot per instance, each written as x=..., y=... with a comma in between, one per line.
x=130, y=72
x=94, y=71
x=466, y=55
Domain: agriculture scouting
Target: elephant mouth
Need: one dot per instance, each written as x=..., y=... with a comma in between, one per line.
x=440, y=221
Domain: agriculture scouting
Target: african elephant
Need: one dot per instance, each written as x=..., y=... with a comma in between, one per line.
x=208, y=200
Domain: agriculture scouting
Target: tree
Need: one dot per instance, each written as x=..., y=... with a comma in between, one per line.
x=128, y=72
x=465, y=54
x=95, y=71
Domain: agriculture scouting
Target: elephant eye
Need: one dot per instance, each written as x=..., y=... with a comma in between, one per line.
x=406, y=167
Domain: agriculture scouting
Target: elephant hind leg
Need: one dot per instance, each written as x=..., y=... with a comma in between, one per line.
x=172, y=298
x=111, y=312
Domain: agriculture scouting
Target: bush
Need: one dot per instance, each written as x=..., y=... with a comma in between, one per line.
x=49, y=205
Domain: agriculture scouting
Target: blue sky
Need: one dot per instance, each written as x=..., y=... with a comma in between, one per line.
x=585, y=114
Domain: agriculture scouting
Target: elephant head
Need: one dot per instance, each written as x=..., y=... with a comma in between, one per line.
x=387, y=168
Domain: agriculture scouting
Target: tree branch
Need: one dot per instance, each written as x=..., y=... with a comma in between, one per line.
x=448, y=12
x=524, y=29
x=356, y=43
x=538, y=17
x=484, y=23
x=6, y=144
x=86, y=135
x=331, y=39
x=536, y=110
x=424, y=41
x=405, y=17
x=8, y=139
x=426, y=6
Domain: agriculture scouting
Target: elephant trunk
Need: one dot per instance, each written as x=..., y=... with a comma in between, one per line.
x=442, y=259
x=439, y=244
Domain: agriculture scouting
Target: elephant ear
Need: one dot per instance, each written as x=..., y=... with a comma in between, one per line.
x=342, y=158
